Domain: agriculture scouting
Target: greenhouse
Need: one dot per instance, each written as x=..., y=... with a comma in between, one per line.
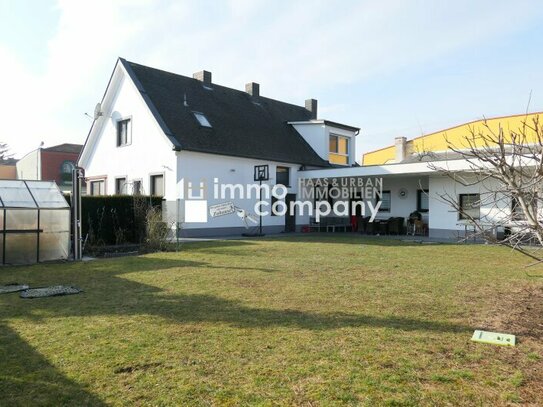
x=34, y=222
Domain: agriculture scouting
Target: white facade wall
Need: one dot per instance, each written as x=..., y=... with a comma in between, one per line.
x=29, y=167
x=315, y=135
x=444, y=219
x=149, y=152
x=197, y=167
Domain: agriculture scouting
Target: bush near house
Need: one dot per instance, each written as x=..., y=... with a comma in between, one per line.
x=116, y=219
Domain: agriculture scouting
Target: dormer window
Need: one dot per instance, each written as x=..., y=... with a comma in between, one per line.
x=339, y=149
x=202, y=119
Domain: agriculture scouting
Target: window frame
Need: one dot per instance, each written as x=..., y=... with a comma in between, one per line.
x=330, y=137
x=287, y=185
x=119, y=122
x=517, y=213
x=420, y=193
x=198, y=116
x=97, y=181
x=461, y=215
x=140, y=192
x=117, y=191
x=379, y=198
x=346, y=155
x=151, y=183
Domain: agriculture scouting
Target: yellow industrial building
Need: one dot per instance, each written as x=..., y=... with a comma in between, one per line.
x=456, y=136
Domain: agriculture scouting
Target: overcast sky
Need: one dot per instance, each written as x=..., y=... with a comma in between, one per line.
x=393, y=68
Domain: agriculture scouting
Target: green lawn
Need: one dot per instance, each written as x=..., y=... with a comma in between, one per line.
x=317, y=320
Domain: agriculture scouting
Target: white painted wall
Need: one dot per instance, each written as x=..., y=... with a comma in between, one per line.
x=315, y=135
x=28, y=167
x=443, y=215
x=196, y=167
x=149, y=153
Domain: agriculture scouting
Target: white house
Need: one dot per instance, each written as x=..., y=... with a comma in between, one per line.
x=165, y=134
x=157, y=131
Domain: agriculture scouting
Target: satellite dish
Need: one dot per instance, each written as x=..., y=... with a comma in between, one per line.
x=97, y=111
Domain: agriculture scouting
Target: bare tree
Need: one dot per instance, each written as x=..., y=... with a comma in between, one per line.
x=507, y=169
x=4, y=151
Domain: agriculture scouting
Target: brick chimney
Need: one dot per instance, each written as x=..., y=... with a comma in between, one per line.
x=203, y=76
x=401, y=148
x=311, y=105
x=253, y=89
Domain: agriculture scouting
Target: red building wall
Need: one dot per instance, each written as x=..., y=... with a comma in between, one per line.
x=51, y=166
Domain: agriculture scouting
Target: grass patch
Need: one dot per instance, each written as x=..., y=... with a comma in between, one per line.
x=312, y=320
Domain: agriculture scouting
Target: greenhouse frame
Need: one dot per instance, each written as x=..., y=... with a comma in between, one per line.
x=34, y=222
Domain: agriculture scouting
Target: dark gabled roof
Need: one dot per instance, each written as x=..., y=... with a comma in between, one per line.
x=65, y=148
x=242, y=125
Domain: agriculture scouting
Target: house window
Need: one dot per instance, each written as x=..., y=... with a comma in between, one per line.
x=469, y=206
x=385, y=198
x=136, y=187
x=120, y=186
x=124, y=136
x=66, y=170
x=202, y=119
x=422, y=200
x=339, y=149
x=98, y=187
x=282, y=176
x=516, y=210
x=334, y=144
x=157, y=185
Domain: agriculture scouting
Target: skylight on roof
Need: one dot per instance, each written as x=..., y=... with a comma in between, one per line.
x=202, y=119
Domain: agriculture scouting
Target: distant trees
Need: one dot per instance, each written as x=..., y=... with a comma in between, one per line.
x=4, y=151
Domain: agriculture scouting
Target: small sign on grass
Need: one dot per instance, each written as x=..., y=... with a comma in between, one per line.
x=494, y=338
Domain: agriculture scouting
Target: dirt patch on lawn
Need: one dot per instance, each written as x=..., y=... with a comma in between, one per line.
x=519, y=311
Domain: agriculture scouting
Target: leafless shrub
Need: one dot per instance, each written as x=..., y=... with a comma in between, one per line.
x=507, y=166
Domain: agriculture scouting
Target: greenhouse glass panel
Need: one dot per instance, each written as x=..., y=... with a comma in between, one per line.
x=47, y=194
x=52, y=220
x=54, y=246
x=14, y=193
x=34, y=222
x=21, y=219
x=21, y=248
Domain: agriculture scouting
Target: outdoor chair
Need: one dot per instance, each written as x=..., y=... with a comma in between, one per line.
x=420, y=228
x=383, y=227
x=369, y=228
x=401, y=225
x=393, y=226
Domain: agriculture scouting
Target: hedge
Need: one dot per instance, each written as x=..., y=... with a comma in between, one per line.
x=115, y=219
